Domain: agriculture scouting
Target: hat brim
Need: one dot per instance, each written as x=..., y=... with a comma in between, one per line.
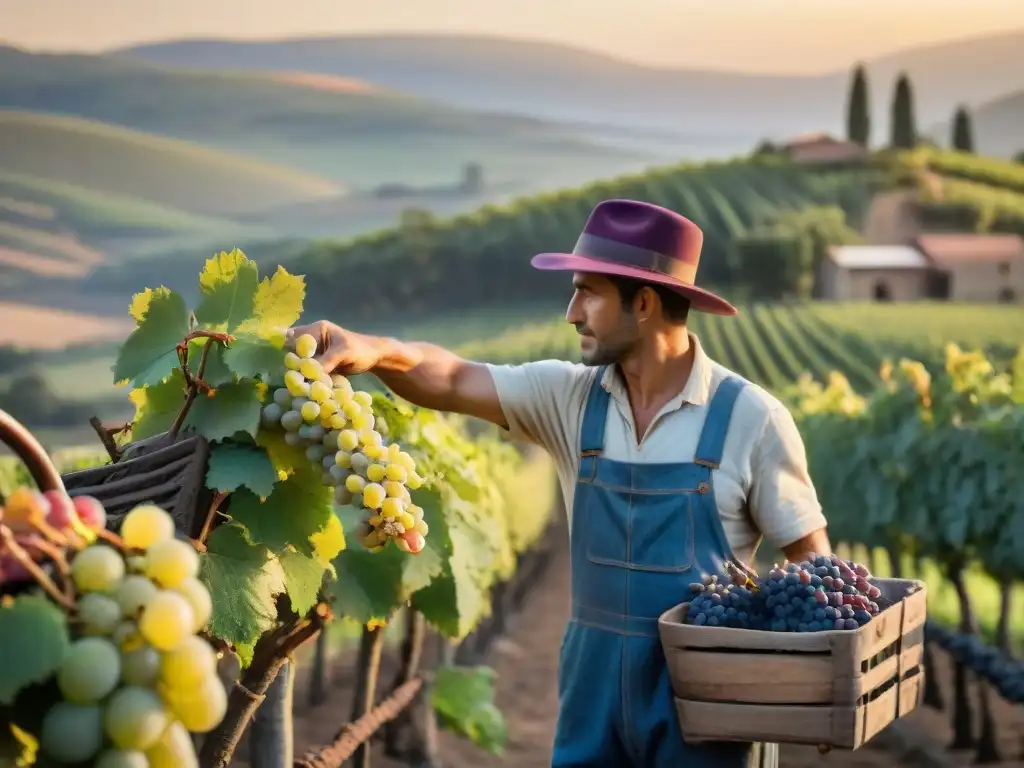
x=700, y=299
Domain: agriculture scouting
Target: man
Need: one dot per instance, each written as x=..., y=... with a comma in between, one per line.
x=670, y=465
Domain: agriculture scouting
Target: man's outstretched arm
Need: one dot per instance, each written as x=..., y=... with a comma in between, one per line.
x=425, y=374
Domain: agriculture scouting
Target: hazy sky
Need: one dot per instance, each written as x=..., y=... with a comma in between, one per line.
x=761, y=35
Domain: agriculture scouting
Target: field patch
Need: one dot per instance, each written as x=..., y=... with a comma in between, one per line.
x=327, y=83
x=39, y=328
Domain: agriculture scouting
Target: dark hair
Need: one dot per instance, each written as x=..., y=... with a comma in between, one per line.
x=674, y=306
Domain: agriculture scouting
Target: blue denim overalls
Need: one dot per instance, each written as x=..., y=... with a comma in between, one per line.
x=641, y=533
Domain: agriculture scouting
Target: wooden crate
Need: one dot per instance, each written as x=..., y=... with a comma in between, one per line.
x=837, y=688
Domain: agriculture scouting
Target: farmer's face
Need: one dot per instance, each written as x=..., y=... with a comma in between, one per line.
x=608, y=332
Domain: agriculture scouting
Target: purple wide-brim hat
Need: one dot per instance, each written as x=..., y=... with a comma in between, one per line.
x=644, y=242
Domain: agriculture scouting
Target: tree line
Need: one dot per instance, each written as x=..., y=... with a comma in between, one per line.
x=902, y=124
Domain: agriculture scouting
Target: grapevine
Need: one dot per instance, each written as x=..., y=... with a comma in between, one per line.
x=340, y=433
x=820, y=594
x=118, y=674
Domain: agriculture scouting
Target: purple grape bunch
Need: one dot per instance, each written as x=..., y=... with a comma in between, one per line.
x=823, y=593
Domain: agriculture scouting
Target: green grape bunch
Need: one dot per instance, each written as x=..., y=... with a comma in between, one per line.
x=136, y=678
x=342, y=435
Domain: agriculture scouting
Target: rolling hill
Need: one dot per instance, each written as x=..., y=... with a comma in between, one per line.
x=726, y=112
x=998, y=125
x=115, y=160
x=337, y=129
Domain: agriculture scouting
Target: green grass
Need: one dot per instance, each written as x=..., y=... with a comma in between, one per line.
x=166, y=172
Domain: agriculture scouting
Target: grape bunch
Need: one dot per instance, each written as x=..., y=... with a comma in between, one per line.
x=723, y=605
x=341, y=434
x=136, y=677
x=990, y=663
x=820, y=594
x=40, y=524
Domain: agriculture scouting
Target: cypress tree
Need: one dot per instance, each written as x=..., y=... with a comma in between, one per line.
x=858, y=117
x=904, y=131
x=963, y=133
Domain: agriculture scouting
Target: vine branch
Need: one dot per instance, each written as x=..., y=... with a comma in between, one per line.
x=106, y=436
x=30, y=565
x=353, y=735
x=194, y=382
x=269, y=655
x=211, y=515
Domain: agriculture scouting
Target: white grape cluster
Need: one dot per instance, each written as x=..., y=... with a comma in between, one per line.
x=341, y=434
x=136, y=678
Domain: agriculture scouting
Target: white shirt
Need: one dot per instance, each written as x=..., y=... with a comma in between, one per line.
x=762, y=486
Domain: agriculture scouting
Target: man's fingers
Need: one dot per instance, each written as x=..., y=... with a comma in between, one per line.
x=301, y=330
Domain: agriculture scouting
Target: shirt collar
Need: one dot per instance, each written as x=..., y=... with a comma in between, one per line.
x=696, y=389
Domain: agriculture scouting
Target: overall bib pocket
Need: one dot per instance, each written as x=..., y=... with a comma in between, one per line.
x=656, y=535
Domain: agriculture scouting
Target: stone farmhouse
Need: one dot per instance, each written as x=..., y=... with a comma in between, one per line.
x=954, y=267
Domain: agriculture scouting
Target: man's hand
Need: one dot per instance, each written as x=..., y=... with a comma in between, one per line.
x=338, y=350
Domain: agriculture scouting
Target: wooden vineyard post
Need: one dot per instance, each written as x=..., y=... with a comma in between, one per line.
x=403, y=736
x=370, y=646
x=271, y=740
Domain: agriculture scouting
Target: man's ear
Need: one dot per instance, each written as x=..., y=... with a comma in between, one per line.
x=646, y=303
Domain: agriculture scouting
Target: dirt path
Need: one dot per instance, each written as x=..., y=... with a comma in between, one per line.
x=527, y=663
x=890, y=219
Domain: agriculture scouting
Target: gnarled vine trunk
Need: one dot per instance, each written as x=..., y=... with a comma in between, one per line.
x=1005, y=615
x=962, y=722
x=317, y=692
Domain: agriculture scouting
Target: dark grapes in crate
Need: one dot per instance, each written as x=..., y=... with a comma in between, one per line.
x=823, y=593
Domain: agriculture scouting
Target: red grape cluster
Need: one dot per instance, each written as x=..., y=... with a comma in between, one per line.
x=34, y=524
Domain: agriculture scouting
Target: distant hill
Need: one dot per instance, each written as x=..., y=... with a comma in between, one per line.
x=333, y=127
x=998, y=126
x=176, y=174
x=566, y=83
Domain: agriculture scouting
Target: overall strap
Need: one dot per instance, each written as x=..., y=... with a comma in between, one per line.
x=594, y=417
x=716, y=423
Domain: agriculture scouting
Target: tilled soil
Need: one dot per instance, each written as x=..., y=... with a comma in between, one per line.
x=527, y=663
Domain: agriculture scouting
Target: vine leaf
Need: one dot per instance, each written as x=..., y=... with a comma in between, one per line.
x=157, y=405
x=278, y=305
x=231, y=409
x=149, y=354
x=298, y=506
x=228, y=283
x=368, y=584
x=244, y=581
x=233, y=466
x=329, y=541
x=464, y=699
x=287, y=459
x=303, y=577
x=34, y=636
x=250, y=356
x=456, y=600
x=422, y=568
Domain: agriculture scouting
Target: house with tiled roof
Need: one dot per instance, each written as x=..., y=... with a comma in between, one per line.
x=954, y=267
x=822, y=149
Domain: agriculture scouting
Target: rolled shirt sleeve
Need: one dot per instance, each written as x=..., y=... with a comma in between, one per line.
x=540, y=401
x=782, y=500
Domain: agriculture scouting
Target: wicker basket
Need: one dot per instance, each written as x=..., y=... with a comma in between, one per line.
x=169, y=472
x=837, y=688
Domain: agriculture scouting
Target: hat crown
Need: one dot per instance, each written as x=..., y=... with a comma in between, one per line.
x=647, y=227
